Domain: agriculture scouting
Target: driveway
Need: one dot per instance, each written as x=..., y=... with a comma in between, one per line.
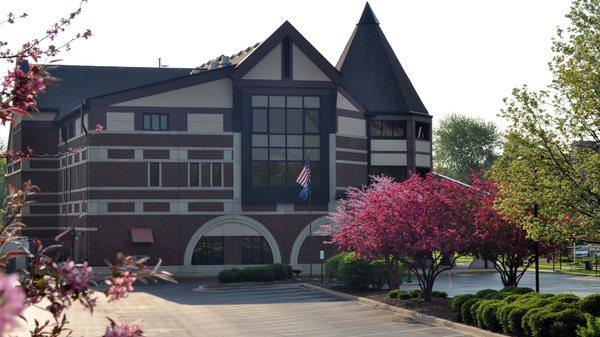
x=178, y=310
x=554, y=283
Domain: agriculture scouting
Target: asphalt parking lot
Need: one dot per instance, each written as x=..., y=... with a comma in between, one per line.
x=179, y=310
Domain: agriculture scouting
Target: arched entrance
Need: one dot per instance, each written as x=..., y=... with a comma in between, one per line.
x=231, y=225
x=316, y=226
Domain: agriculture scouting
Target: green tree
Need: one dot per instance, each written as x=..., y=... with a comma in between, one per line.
x=464, y=144
x=551, y=156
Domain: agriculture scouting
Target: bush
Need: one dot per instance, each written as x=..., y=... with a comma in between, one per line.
x=456, y=304
x=394, y=293
x=565, y=298
x=228, y=276
x=591, y=305
x=592, y=329
x=404, y=296
x=439, y=294
x=517, y=290
x=263, y=273
x=353, y=272
x=502, y=315
x=484, y=293
x=332, y=266
x=555, y=324
x=377, y=274
x=486, y=315
x=474, y=308
x=415, y=293
x=465, y=309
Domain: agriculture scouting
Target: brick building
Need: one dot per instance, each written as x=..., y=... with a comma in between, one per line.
x=198, y=166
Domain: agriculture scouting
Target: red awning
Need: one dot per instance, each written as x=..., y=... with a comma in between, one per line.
x=141, y=235
x=67, y=234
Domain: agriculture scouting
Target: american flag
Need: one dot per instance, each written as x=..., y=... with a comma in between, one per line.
x=304, y=175
x=304, y=180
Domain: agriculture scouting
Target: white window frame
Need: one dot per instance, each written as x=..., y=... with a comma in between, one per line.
x=211, y=174
x=159, y=174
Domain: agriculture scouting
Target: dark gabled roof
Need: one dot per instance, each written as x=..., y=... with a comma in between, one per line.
x=372, y=73
x=80, y=82
x=286, y=30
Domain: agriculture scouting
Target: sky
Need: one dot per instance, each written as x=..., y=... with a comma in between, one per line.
x=462, y=56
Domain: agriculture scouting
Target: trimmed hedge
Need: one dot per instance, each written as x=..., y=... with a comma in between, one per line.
x=415, y=293
x=394, y=293
x=439, y=294
x=264, y=273
x=356, y=273
x=591, y=304
x=521, y=312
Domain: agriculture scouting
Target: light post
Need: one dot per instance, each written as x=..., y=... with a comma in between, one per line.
x=536, y=254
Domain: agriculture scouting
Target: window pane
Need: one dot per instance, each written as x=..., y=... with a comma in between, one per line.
x=294, y=141
x=154, y=174
x=311, y=141
x=260, y=172
x=293, y=170
x=277, y=173
x=277, y=141
x=277, y=101
x=277, y=154
x=164, y=122
x=267, y=256
x=311, y=122
x=216, y=174
x=260, y=140
x=276, y=120
x=294, y=121
x=294, y=101
x=209, y=251
x=147, y=122
x=194, y=174
x=311, y=102
x=400, y=129
x=261, y=101
x=260, y=154
x=388, y=130
x=294, y=154
x=375, y=128
x=422, y=131
x=259, y=120
x=313, y=154
x=155, y=122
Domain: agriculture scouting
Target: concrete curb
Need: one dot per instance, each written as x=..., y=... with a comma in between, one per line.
x=407, y=313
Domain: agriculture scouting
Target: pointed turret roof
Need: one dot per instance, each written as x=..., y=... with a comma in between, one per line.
x=372, y=73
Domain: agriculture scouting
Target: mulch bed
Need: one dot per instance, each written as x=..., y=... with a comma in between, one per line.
x=438, y=307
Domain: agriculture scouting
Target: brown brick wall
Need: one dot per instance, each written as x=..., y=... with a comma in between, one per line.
x=351, y=175
x=205, y=207
x=351, y=143
x=162, y=194
x=228, y=174
x=156, y=154
x=43, y=163
x=259, y=207
x=156, y=207
x=120, y=154
x=107, y=174
x=120, y=207
x=174, y=174
x=205, y=154
x=341, y=155
x=169, y=141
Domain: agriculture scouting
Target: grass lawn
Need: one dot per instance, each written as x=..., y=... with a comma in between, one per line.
x=464, y=259
x=568, y=267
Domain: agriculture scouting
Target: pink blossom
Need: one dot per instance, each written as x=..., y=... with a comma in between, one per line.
x=120, y=286
x=76, y=276
x=123, y=330
x=12, y=302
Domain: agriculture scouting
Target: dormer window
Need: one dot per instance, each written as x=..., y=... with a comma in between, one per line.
x=388, y=129
x=422, y=131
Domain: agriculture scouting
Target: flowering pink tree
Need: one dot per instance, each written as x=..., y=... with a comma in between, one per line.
x=496, y=238
x=421, y=221
x=51, y=285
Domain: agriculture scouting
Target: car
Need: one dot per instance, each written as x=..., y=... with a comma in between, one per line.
x=581, y=251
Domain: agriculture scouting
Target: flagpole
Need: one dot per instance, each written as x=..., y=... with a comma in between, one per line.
x=310, y=222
